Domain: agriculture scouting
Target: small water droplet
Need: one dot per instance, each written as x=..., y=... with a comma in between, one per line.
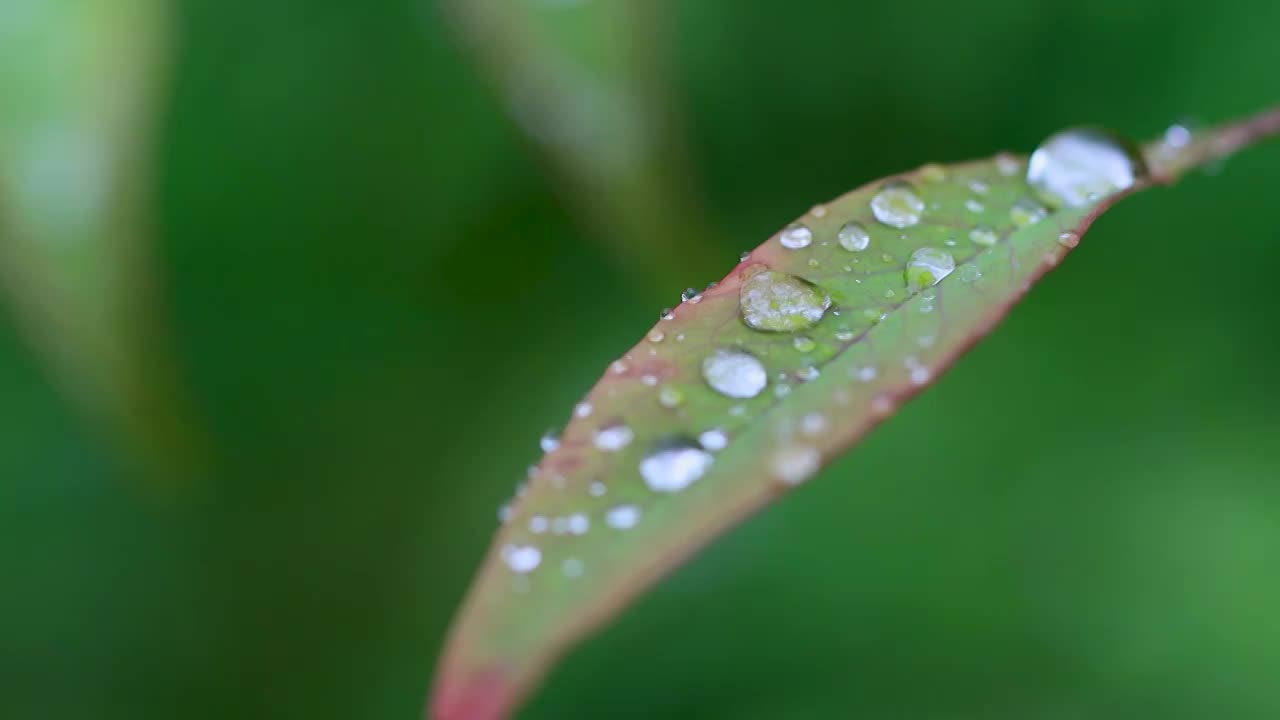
x=897, y=205
x=813, y=262
x=781, y=390
x=578, y=524
x=1073, y=165
x=847, y=335
x=550, y=441
x=794, y=464
x=933, y=173
x=819, y=211
x=866, y=373
x=597, y=488
x=690, y=295
x=853, y=237
x=669, y=397
x=928, y=266
x=804, y=344
x=886, y=257
x=1008, y=164
x=618, y=367
x=614, y=437
x=813, y=424
x=778, y=302
x=795, y=236
x=983, y=235
x=504, y=513
x=919, y=373
x=649, y=379
x=656, y=336
x=538, y=524
x=622, y=517
x=583, y=409
x=970, y=272
x=572, y=568
x=674, y=466
x=978, y=186
x=734, y=373
x=713, y=440
x=742, y=256
x=808, y=374
x=521, y=558
x=1027, y=212
x=1068, y=239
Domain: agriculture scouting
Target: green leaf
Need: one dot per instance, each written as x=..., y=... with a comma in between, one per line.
x=747, y=389
x=586, y=82
x=79, y=80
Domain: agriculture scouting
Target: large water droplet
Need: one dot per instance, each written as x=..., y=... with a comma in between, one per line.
x=521, y=558
x=853, y=237
x=796, y=236
x=614, y=437
x=928, y=266
x=734, y=373
x=674, y=466
x=897, y=205
x=1079, y=166
x=778, y=302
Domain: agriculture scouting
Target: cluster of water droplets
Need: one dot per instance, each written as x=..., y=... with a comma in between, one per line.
x=791, y=318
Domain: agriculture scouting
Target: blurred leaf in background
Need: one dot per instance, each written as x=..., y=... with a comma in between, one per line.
x=384, y=301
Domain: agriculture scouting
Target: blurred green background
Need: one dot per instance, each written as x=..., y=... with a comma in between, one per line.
x=383, y=293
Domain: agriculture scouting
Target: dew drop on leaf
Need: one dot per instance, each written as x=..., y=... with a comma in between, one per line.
x=1068, y=239
x=804, y=344
x=549, y=442
x=1077, y=166
x=853, y=237
x=796, y=236
x=714, y=440
x=521, y=558
x=734, y=373
x=613, y=438
x=793, y=464
x=674, y=466
x=897, y=205
x=983, y=235
x=622, y=517
x=928, y=266
x=1027, y=212
x=778, y=302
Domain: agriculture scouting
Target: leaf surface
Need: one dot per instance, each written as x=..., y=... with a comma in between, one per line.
x=747, y=389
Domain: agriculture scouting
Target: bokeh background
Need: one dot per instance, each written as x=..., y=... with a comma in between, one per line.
x=383, y=289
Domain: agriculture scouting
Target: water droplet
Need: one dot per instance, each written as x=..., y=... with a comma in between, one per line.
x=572, y=568
x=504, y=513
x=866, y=373
x=734, y=373
x=1077, y=166
x=778, y=302
x=795, y=236
x=583, y=409
x=819, y=211
x=983, y=235
x=928, y=266
x=614, y=437
x=813, y=424
x=1027, y=212
x=521, y=558
x=781, y=390
x=1068, y=239
x=970, y=272
x=973, y=206
x=978, y=186
x=897, y=205
x=794, y=464
x=690, y=295
x=550, y=441
x=667, y=314
x=618, y=367
x=622, y=517
x=578, y=524
x=808, y=374
x=804, y=344
x=538, y=524
x=1008, y=164
x=919, y=373
x=847, y=335
x=656, y=336
x=597, y=488
x=933, y=173
x=674, y=466
x=853, y=237
x=713, y=440
x=669, y=397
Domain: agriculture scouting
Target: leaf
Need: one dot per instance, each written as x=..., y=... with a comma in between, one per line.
x=79, y=81
x=586, y=83
x=745, y=390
